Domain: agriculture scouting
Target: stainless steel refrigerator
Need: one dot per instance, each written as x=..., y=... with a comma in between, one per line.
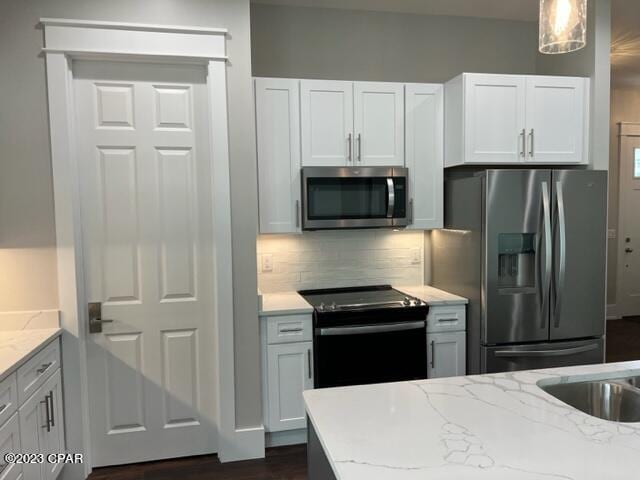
x=528, y=248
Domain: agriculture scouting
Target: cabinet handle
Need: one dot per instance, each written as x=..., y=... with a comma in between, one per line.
x=360, y=147
x=309, y=362
x=48, y=414
x=53, y=415
x=349, y=147
x=43, y=368
x=523, y=136
x=297, y=213
x=411, y=211
x=433, y=353
x=3, y=407
x=531, y=139
x=444, y=320
x=290, y=330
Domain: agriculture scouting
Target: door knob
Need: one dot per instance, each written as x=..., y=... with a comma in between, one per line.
x=95, y=318
x=628, y=250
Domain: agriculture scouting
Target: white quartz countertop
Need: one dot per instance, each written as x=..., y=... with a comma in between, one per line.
x=17, y=346
x=431, y=295
x=286, y=303
x=289, y=303
x=493, y=427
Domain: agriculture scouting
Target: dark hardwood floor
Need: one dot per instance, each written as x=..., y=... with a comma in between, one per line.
x=290, y=463
x=284, y=463
x=623, y=339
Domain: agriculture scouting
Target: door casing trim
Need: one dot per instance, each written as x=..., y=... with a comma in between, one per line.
x=65, y=41
x=625, y=130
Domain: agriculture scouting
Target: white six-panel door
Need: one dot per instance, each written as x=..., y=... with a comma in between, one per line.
x=494, y=118
x=378, y=123
x=555, y=119
x=327, y=123
x=147, y=230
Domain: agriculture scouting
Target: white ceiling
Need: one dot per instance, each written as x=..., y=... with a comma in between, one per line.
x=504, y=9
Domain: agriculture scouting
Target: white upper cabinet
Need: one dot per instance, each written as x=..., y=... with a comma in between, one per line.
x=278, y=142
x=424, y=119
x=556, y=127
x=327, y=122
x=515, y=119
x=378, y=124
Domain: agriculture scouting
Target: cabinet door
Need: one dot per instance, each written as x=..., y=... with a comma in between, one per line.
x=32, y=415
x=424, y=154
x=446, y=354
x=289, y=373
x=556, y=113
x=53, y=438
x=378, y=123
x=326, y=119
x=10, y=443
x=278, y=143
x=494, y=112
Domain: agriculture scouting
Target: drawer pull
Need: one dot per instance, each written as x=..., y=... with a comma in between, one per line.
x=43, y=368
x=290, y=330
x=3, y=407
x=445, y=320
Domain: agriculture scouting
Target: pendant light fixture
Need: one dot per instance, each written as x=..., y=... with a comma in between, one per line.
x=563, y=26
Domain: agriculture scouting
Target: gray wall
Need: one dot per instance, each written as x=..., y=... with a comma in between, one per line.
x=27, y=237
x=378, y=46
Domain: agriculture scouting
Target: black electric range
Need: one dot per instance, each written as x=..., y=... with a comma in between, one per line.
x=367, y=335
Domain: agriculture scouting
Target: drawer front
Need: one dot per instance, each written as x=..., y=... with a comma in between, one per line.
x=10, y=443
x=33, y=373
x=289, y=328
x=8, y=398
x=446, y=319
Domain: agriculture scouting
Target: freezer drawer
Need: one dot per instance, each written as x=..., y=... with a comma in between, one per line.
x=510, y=358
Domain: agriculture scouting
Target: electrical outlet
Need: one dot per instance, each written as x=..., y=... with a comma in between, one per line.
x=267, y=263
x=416, y=256
x=612, y=233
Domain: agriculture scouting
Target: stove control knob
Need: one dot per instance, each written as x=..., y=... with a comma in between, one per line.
x=417, y=302
x=332, y=306
x=321, y=307
x=407, y=301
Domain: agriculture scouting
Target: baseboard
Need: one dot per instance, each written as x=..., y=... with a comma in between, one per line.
x=612, y=312
x=287, y=437
x=245, y=444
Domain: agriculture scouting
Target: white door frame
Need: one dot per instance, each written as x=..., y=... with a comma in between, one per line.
x=625, y=129
x=66, y=40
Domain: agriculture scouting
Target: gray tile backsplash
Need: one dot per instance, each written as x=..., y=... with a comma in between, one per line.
x=340, y=259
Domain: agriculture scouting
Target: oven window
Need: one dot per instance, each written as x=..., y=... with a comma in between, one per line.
x=346, y=198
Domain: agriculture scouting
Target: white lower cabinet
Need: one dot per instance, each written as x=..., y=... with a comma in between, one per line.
x=287, y=359
x=10, y=443
x=290, y=372
x=446, y=354
x=41, y=422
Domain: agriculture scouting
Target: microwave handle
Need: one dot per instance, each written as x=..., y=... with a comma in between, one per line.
x=391, y=201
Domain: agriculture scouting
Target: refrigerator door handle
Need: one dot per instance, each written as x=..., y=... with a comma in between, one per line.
x=546, y=209
x=562, y=229
x=546, y=353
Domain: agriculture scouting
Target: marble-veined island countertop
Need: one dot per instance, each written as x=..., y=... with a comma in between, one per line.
x=494, y=427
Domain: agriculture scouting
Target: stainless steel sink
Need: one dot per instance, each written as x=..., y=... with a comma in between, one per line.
x=615, y=400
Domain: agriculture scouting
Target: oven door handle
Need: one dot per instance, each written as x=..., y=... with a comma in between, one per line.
x=383, y=328
x=391, y=201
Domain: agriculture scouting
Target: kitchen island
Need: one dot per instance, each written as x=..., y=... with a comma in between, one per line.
x=498, y=426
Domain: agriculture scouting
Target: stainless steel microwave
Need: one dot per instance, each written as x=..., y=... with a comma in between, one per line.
x=354, y=197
